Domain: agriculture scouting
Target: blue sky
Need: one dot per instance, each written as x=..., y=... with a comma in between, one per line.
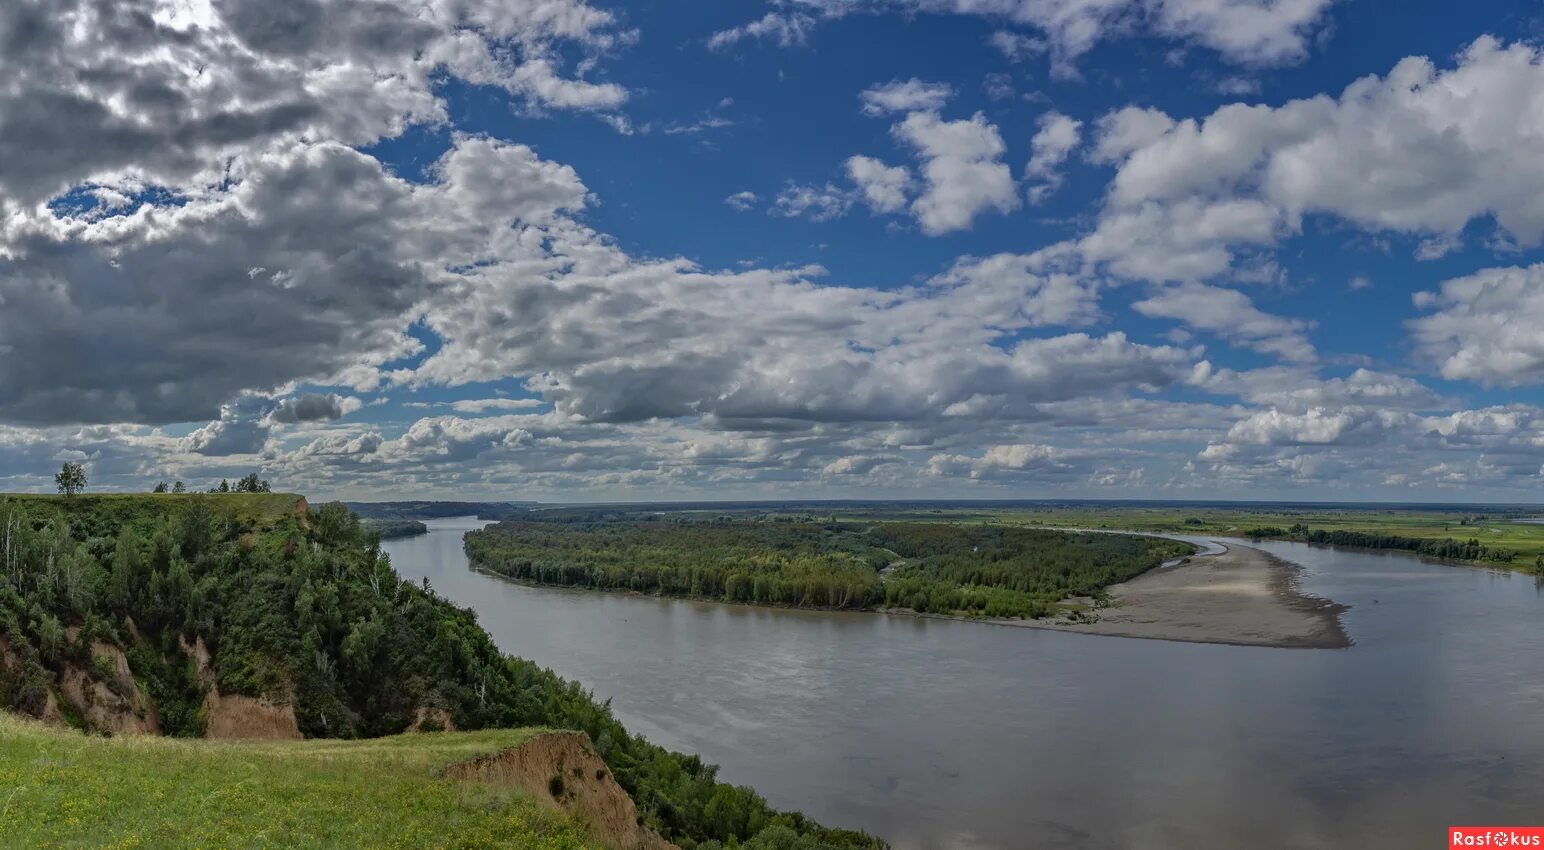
x=783, y=248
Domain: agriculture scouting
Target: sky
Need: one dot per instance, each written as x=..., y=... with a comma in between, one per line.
x=593, y=251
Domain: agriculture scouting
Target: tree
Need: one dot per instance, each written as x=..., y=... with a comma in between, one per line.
x=160, y=487
x=71, y=479
x=252, y=484
x=179, y=487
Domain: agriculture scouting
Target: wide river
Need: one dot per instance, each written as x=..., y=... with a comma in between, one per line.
x=941, y=734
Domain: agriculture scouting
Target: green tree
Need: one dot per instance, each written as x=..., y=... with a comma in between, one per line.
x=160, y=487
x=179, y=487
x=252, y=484
x=71, y=479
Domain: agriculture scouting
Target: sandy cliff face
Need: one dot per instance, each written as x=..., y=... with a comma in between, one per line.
x=230, y=717
x=113, y=704
x=46, y=708
x=562, y=770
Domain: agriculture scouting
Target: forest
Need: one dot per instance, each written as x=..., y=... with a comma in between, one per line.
x=299, y=605
x=1457, y=550
x=390, y=529
x=963, y=569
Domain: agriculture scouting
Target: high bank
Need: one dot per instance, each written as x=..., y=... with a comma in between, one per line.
x=261, y=615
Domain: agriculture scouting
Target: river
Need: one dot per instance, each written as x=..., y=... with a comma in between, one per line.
x=942, y=734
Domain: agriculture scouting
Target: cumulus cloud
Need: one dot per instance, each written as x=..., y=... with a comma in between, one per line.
x=303, y=269
x=885, y=188
x=1486, y=327
x=314, y=407
x=163, y=93
x=1421, y=151
x=194, y=228
x=1056, y=139
x=963, y=174
x=1231, y=315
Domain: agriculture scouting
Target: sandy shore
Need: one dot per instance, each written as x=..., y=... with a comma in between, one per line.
x=1244, y=596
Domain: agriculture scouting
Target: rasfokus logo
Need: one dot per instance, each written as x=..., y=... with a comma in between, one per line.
x=1496, y=836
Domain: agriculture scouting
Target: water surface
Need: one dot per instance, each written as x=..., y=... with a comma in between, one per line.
x=940, y=734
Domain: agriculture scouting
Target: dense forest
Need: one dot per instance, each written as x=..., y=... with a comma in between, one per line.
x=391, y=529
x=993, y=571
x=1457, y=550
x=300, y=606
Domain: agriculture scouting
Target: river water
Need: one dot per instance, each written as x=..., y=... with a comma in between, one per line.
x=942, y=734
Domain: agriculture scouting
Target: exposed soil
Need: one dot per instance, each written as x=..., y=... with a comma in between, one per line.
x=563, y=771
x=231, y=717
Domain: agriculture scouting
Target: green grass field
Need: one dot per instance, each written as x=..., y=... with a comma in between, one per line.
x=64, y=789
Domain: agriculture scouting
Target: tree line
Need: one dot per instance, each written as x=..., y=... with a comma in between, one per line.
x=1447, y=548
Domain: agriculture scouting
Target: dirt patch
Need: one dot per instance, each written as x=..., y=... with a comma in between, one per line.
x=563, y=771
x=199, y=652
x=105, y=710
x=229, y=717
x=239, y=718
x=430, y=719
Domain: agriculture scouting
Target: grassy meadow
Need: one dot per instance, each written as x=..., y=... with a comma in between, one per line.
x=61, y=788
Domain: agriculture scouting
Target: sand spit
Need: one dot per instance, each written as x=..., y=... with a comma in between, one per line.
x=1243, y=596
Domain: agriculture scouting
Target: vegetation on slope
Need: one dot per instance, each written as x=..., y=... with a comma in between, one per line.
x=69, y=789
x=300, y=607
x=976, y=570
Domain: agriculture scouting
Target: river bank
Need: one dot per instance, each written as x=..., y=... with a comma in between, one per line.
x=1242, y=596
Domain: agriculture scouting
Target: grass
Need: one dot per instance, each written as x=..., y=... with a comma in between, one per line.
x=64, y=789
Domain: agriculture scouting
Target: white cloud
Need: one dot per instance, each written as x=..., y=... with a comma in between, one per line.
x=1421, y=151
x=482, y=405
x=786, y=30
x=742, y=201
x=818, y=203
x=911, y=95
x=1056, y=139
x=962, y=172
x=885, y=188
x=101, y=94
x=1231, y=315
x=1246, y=32
x=1487, y=327
x=1017, y=47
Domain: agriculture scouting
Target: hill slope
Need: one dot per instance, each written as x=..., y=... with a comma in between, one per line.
x=78, y=790
x=219, y=615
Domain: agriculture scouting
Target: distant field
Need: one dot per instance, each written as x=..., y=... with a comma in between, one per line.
x=61, y=788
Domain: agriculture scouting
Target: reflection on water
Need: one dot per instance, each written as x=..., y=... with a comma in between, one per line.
x=939, y=734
